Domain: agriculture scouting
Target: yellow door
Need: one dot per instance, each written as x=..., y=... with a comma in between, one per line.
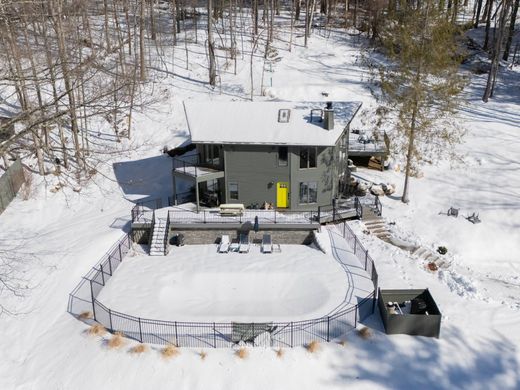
x=282, y=195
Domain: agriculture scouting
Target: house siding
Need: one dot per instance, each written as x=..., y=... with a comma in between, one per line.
x=324, y=175
x=254, y=167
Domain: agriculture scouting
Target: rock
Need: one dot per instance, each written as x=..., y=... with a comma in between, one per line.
x=377, y=190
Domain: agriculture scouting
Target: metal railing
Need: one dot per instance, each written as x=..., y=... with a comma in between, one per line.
x=340, y=210
x=143, y=207
x=378, y=206
x=361, y=253
x=264, y=217
x=166, y=234
x=212, y=334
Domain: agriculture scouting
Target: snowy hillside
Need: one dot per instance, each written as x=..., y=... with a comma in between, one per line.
x=60, y=235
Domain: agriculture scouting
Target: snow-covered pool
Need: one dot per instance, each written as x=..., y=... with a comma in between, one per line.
x=195, y=283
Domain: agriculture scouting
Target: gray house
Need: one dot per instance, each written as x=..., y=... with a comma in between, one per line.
x=291, y=155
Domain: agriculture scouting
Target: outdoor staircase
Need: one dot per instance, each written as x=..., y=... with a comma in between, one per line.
x=375, y=224
x=159, y=231
x=427, y=255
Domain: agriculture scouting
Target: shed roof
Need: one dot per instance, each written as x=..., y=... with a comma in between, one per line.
x=257, y=122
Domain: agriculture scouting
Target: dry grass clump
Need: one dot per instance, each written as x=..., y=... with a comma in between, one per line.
x=116, y=341
x=86, y=315
x=96, y=330
x=365, y=333
x=343, y=343
x=313, y=346
x=280, y=353
x=242, y=353
x=170, y=351
x=139, y=348
x=202, y=355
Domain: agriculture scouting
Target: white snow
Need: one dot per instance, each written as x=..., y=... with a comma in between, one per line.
x=257, y=122
x=196, y=283
x=60, y=236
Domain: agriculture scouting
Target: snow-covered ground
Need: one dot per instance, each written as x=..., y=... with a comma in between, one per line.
x=196, y=283
x=59, y=236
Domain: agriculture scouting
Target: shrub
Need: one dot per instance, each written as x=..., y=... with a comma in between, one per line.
x=313, y=346
x=86, y=315
x=170, y=351
x=442, y=250
x=242, y=353
x=432, y=266
x=202, y=355
x=96, y=330
x=139, y=348
x=343, y=343
x=116, y=341
x=365, y=333
x=280, y=353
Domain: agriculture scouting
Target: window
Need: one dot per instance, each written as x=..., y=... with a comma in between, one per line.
x=308, y=192
x=282, y=156
x=284, y=115
x=212, y=154
x=307, y=157
x=233, y=191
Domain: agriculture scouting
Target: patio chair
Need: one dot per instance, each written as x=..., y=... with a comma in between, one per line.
x=244, y=243
x=267, y=244
x=224, y=244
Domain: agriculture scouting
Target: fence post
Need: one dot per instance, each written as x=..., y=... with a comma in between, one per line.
x=110, y=264
x=110, y=318
x=176, y=335
x=355, y=316
x=253, y=324
x=366, y=259
x=275, y=216
x=121, y=253
x=204, y=215
x=92, y=297
x=345, y=232
x=292, y=334
x=328, y=329
x=355, y=242
x=102, y=276
x=140, y=330
x=214, y=336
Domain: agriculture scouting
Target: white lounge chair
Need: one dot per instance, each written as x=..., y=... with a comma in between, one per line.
x=267, y=244
x=244, y=243
x=224, y=244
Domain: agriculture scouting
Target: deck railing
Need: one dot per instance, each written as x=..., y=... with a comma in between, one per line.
x=264, y=217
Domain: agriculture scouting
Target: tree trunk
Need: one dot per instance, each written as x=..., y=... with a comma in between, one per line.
x=409, y=156
x=477, y=15
x=211, y=48
x=509, y=41
x=489, y=6
x=142, y=66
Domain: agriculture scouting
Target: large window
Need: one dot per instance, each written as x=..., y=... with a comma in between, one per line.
x=308, y=192
x=212, y=154
x=282, y=156
x=307, y=157
x=233, y=191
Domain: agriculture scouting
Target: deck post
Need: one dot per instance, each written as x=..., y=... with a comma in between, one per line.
x=197, y=194
x=174, y=190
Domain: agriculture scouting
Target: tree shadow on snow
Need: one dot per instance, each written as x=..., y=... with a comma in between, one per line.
x=401, y=362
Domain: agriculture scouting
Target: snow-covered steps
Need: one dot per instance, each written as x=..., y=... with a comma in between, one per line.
x=157, y=245
x=375, y=224
x=429, y=256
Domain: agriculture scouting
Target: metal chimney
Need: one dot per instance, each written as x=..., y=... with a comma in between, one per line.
x=328, y=117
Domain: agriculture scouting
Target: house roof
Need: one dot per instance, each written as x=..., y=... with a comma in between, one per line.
x=257, y=122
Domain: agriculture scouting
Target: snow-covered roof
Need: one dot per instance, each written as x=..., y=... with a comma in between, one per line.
x=257, y=122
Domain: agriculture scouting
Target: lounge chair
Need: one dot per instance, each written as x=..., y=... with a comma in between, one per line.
x=267, y=244
x=244, y=243
x=224, y=244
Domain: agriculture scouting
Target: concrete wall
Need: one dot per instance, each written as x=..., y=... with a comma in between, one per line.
x=212, y=236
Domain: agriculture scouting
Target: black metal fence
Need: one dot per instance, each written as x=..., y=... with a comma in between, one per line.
x=10, y=183
x=202, y=335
